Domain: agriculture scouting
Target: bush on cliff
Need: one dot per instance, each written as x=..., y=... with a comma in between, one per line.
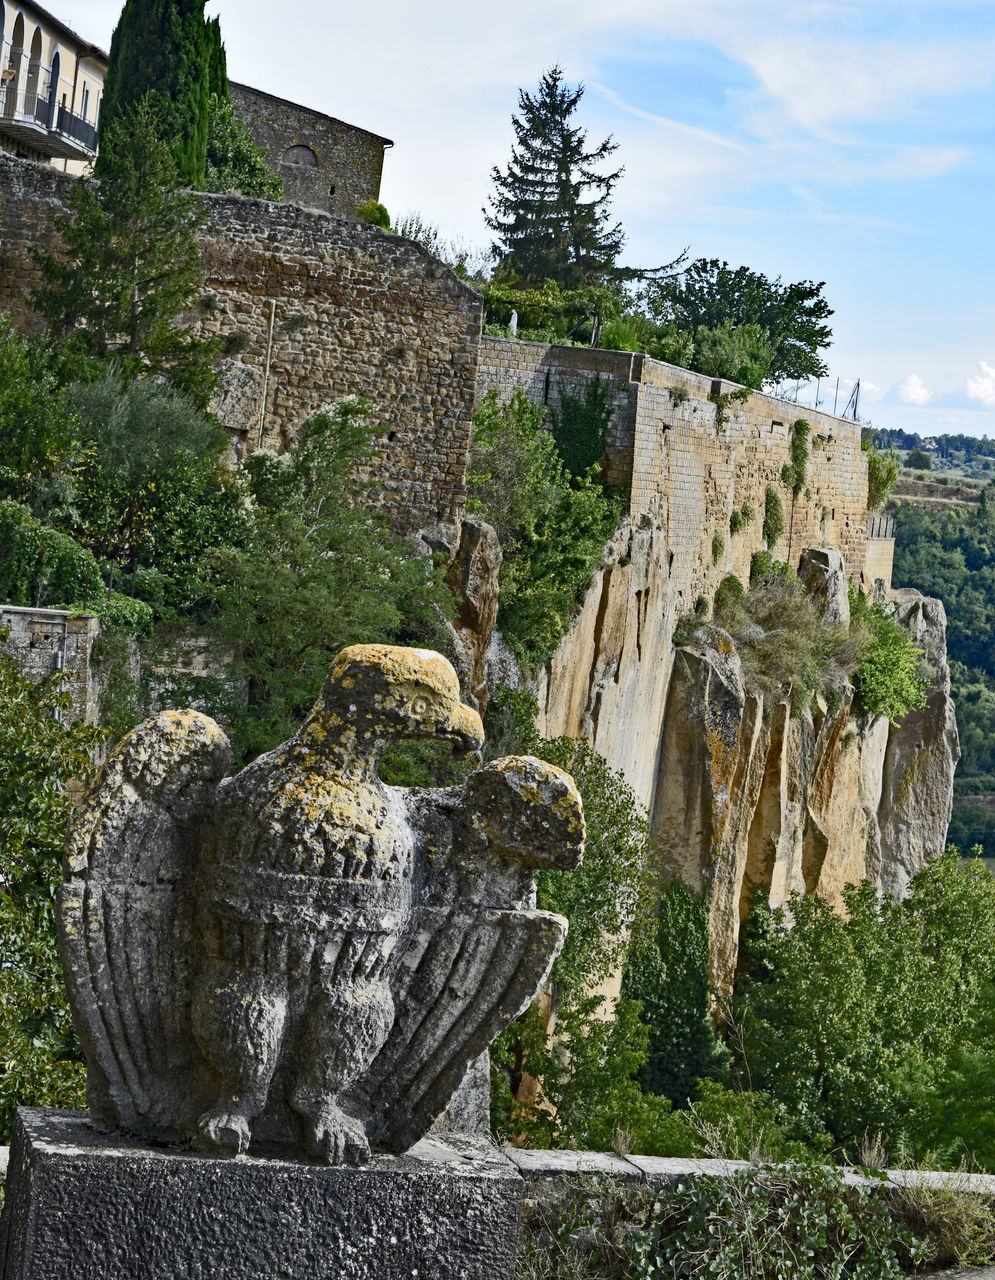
x=552, y=527
x=319, y=571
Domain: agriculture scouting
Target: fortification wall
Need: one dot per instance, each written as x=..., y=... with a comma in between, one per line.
x=691, y=455
x=319, y=308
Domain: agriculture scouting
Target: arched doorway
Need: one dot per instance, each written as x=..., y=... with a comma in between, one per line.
x=53, y=89
x=12, y=71
x=31, y=85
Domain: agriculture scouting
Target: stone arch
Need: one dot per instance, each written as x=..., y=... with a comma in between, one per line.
x=55, y=72
x=31, y=84
x=300, y=154
x=12, y=82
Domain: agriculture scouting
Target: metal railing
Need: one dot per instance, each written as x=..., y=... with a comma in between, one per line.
x=880, y=526
x=34, y=108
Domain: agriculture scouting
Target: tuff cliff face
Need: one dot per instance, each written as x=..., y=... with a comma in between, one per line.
x=743, y=795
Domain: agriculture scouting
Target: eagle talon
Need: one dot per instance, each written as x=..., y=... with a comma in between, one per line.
x=223, y=1132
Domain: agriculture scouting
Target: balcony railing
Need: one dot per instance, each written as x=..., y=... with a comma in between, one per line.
x=25, y=115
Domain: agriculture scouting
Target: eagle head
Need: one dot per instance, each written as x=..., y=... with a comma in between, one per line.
x=385, y=692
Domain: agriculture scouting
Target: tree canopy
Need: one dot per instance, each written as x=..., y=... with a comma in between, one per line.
x=709, y=293
x=550, y=207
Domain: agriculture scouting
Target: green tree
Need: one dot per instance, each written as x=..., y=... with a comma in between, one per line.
x=36, y=427
x=849, y=1020
x=918, y=460
x=40, y=1059
x=234, y=162
x=708, y=293
x=586, y=1071
x=322, y=571
x=668, y=974
x=742, y=353
x=128, y=264
x=550, y=207
x=164, y=52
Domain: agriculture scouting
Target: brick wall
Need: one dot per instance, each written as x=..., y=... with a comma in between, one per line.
x=689, y=470
x=347, y=162
x=322, y=308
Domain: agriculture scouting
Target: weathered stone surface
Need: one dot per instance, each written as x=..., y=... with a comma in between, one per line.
x=298, y=957
x=922, y=753
x=94, y=1207
x=473, y=579
x=822, y=570
x=666, y=1171
x=538, y=1165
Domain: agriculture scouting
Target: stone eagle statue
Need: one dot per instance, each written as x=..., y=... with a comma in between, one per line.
x=299, y=957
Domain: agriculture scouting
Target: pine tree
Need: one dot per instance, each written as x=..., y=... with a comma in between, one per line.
x=129, y=264
x=165, y=49
x=550, y=211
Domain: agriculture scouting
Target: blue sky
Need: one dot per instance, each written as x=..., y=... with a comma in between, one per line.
x=851, y=143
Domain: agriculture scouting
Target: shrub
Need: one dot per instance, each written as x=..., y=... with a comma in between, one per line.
x=882, y=472
x=800, y=1221
x=786, y=647
x=741, y=517
x=773, y=525
x=888, y=681
x=374, y=213
x=718, y=547
x=41, y=567
x=728, y=594
x=795, y=472
x=40, y=1059
x=740, y=352
x=552, y=527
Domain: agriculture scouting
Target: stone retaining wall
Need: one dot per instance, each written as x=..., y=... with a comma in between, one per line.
x=319, y=308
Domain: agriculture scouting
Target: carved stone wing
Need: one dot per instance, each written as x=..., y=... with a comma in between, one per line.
x=125, y=919
x=480, y=950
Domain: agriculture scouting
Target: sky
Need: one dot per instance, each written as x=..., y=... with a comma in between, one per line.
x=845, y=143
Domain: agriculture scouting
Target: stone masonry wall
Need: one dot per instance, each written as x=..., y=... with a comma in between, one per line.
x=319, y=308
x=691, y=462
x=347, y=162
x=43, y=641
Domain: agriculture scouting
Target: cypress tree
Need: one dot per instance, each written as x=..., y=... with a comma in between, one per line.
x=217, y=61
x=550, y=209
x=163, y=49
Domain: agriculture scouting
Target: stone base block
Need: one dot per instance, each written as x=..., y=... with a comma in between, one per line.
x=93, y=1206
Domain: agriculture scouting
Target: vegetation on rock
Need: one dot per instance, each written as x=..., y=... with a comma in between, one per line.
x=552, y=525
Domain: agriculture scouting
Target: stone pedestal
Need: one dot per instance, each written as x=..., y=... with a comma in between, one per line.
x=92, y=1206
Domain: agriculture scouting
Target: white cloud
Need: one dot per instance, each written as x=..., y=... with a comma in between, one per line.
x=982, y=388
x=913, y=391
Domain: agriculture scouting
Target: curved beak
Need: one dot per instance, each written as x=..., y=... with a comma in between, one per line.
x=466, y=729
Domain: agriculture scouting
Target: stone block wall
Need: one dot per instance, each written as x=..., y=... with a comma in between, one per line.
x=691, y=455
x=319, y=308
x=43, y=641
x=545, y=372
x=324, y=163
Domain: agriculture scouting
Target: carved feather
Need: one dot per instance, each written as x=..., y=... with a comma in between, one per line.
x=123, y=916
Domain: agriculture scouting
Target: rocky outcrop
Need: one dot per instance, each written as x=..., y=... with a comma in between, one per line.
x=745, y=796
